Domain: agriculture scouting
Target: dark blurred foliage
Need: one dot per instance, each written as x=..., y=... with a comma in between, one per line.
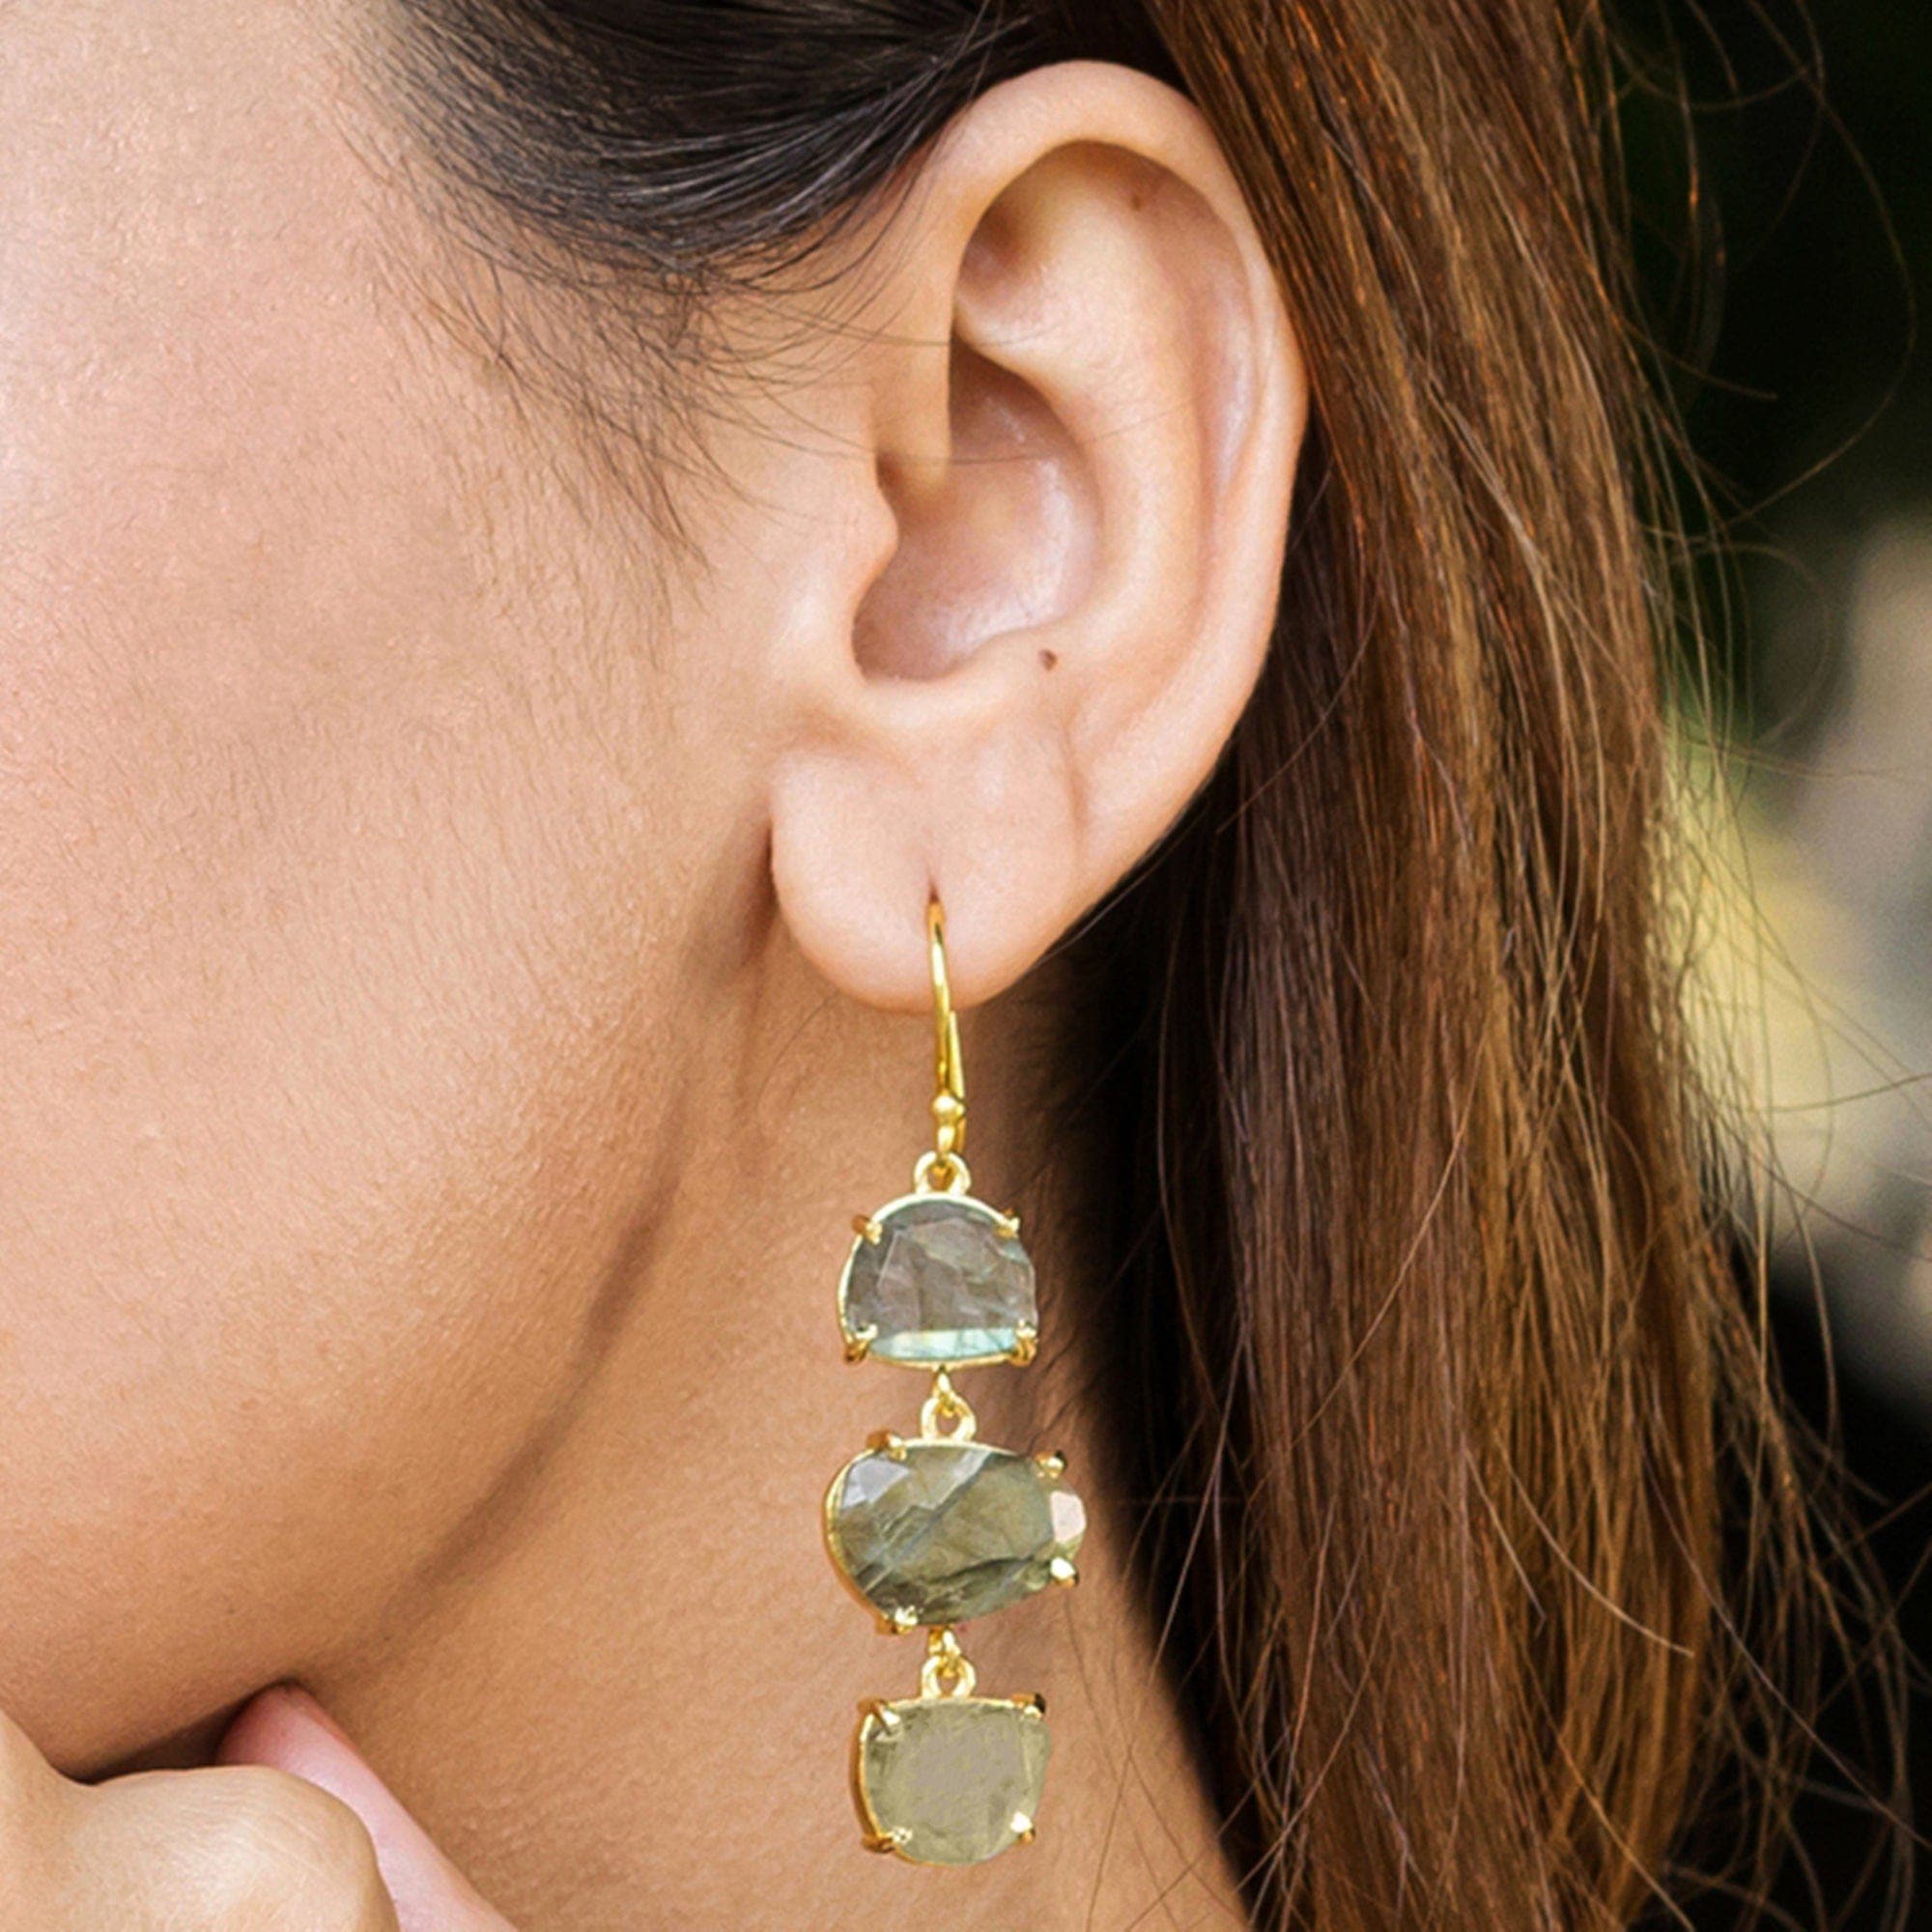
x=1849, y=1860
x=1780, y=162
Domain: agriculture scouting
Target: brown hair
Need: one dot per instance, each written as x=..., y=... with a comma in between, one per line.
x=1422, y=1343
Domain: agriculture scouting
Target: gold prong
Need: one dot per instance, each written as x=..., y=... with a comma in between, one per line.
x=1023, y=1828
x=1026, y=1344
x=1062, y=1572
x=858, y=1345
x=881, y=1841
x=899, y=1622
x=1009, y=1225
x=886, y=1443
x=867, y=1228
x=881, y=1713
x=1031, y=1702
x=1051, y=1462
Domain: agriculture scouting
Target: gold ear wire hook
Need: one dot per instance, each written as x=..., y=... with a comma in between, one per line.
x=948, y=1099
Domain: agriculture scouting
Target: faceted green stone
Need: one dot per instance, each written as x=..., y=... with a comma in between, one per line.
x=943, y=1284
x=950, y=1780
x=938, y=1532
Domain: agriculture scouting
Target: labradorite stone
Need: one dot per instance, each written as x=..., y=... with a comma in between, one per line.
x=951, y=1781
x=941, y=1285
x=949, y=1530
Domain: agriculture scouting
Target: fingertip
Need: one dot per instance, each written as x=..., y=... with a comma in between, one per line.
x=285, y=1728
x=281, y=1720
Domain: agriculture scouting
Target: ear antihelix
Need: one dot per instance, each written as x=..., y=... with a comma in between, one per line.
x=937, y=1281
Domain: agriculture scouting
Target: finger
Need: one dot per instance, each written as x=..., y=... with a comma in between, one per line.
x=287, y=1729
x=238, y=1846
x=25, y=1776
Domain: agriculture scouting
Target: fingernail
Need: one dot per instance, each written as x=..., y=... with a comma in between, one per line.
x=305, y=1703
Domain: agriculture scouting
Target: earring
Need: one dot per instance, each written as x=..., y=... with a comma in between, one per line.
x=931, y=1530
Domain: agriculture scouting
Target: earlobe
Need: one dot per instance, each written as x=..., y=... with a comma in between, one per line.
x=1085, y=419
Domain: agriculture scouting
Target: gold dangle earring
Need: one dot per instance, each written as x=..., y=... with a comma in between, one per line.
x=933, y=1530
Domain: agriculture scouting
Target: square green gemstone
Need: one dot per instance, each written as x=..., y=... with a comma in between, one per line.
x=950, y=1780
x=944, y=1285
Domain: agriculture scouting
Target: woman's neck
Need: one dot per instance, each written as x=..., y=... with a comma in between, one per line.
x=623, y=1694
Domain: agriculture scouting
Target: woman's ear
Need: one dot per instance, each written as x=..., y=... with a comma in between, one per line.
x=1081, y=414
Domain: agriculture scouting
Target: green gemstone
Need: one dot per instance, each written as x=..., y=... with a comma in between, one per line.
x=950, y=1780
x=944, y=1285
x=938, y=1532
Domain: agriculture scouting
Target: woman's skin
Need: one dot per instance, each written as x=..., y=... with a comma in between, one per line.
x=462, y=967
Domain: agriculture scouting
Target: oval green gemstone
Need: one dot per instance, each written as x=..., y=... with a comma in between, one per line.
x=946, y=1284
x=949, y=1781
x=939, y=1532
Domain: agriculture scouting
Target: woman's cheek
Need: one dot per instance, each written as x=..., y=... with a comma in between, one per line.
x=260, y=1331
